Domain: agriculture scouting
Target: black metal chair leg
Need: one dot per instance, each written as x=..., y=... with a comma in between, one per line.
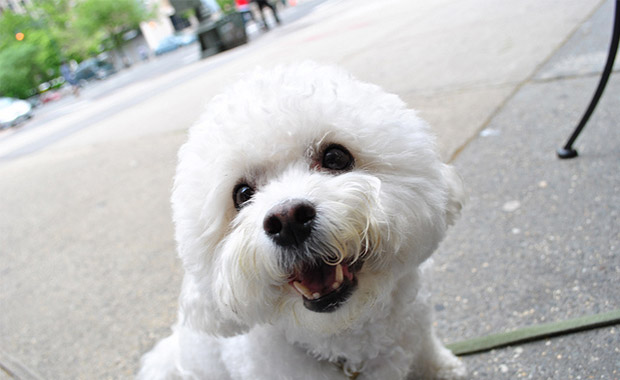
x=568, y=151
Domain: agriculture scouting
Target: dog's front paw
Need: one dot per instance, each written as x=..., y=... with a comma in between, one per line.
x=457, y=371
x=440, y=365
x=450, y=367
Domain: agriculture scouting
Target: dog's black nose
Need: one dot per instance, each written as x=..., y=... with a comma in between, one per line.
x=290, y=223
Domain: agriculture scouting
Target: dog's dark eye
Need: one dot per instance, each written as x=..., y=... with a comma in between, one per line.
x=242, y=194
x=337, y=157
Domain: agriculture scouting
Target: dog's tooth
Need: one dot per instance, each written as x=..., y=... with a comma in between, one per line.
x=316, y=295
x=302, y=289
x=336, y=285
x=339, y=275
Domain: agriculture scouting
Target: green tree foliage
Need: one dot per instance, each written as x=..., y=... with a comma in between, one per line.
x=59, y=30
x=109, y=20
x=228, y=6
x=59, y=19
x=10, y=24
x=18, y=70
x=25, y=63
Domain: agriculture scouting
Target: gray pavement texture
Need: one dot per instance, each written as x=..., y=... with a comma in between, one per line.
x=539, y=240
x=88, y=274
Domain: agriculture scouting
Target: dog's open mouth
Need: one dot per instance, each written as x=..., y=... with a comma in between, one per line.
x=325, y=287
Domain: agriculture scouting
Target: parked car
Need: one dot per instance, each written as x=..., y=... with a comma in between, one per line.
x=93, y=68
x=13, y=111
x=173, y=42
x=50, y=96
x=186, y=39
x=35, y=100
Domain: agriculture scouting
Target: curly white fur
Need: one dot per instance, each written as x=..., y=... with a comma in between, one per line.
x=239, y=318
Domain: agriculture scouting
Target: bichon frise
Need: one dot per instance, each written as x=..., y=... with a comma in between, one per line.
x=305, y=204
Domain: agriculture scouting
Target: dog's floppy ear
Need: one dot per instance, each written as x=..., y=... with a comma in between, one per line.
x=456, y=194
x=200, y=311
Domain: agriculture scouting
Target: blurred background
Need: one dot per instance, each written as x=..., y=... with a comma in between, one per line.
x=96, y=97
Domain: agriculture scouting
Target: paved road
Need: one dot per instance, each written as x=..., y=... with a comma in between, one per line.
x=140, y=72
x=88, y=274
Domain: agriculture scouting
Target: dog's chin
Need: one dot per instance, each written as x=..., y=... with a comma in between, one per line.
x=325, y=287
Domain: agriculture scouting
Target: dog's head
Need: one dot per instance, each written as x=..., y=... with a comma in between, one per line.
x=301, y=197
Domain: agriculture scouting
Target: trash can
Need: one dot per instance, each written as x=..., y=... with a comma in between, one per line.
x=223, y=34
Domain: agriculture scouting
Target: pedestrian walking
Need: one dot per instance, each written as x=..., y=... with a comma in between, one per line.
x=67, y=73
x=261, y=5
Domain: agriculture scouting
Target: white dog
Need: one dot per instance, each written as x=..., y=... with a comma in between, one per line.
x=305, y=204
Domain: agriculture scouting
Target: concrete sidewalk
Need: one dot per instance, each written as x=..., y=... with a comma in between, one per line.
x=88, y=274
x=539, y=240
